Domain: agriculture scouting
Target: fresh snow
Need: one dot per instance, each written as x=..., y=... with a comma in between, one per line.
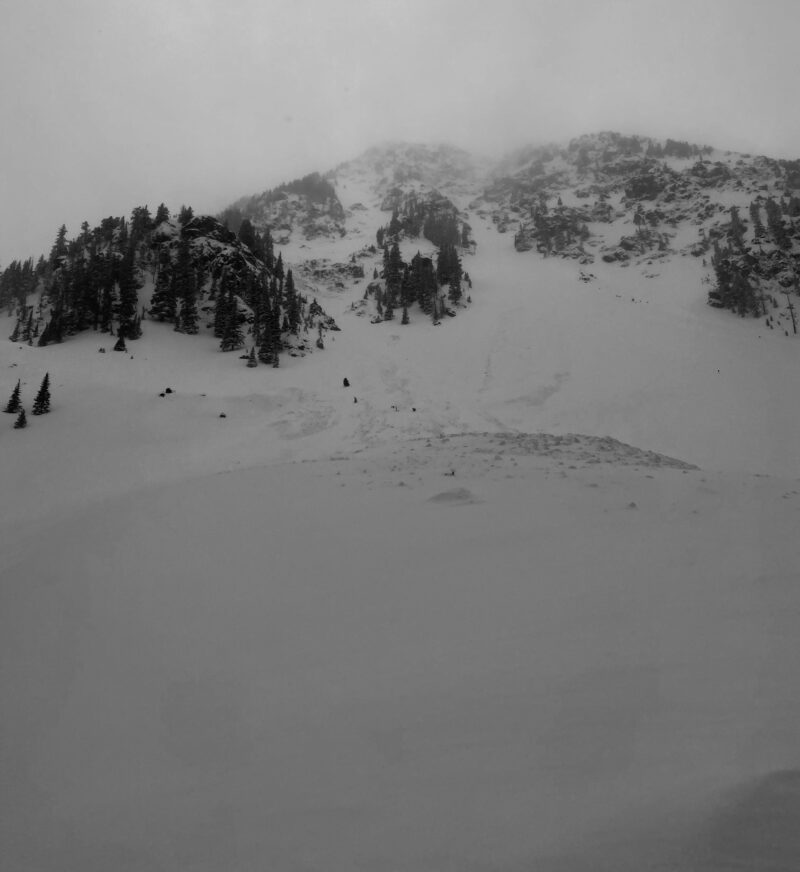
x=530, y=602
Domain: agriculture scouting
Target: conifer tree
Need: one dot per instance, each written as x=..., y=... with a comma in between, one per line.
x=141, y=224
x=454, y=293
x=107, y=299
x=755, y=217
x=221, y=308
x=776, y=225
x=128, y=297
x=21, y=421
x=121, y=240
x=59, y=248
x=184, y=289
x=162, y=214
x=268, y=245
x=247, y=234
x=736, y=228
x=265, y=347
x=163, y=303
x=232, y=337
x=393, y=274
x=13, y=406
x=292, y=303
x=275, y=327
x=41, y=405
x=27, y=333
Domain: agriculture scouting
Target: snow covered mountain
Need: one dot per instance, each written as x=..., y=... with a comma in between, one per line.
x=510, y=587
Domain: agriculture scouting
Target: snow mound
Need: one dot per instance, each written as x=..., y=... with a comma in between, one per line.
x=458, y=496
x=572, y=448
x=585, y=449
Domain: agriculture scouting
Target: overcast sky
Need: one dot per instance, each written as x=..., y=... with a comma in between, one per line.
x=106, y=105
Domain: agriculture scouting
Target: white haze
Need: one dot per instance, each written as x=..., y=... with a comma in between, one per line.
x=109, y=105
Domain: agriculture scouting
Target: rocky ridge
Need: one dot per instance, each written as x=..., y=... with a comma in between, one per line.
x=623, y=200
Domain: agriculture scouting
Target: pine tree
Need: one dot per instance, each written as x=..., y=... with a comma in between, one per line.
x=107, y=299
x=265, y=347
x=454, y=292
x=393, y=273
x=736, y=228
x=775, y=223
x=269, y=251
x=163, y=304
x=755, y=217
x=221, y=308
x=141, y=224
x=59, y=249
x=276, y=340
x=13, y=406
x=184, y=290
x=247, y=234
x=232, y=337
x=162, y=214
x=21, y=421
x=128, y=297
x=188, y=316
x=41, y=405
x=292, y=303
x=185, y=215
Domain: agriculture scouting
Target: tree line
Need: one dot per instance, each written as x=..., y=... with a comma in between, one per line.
x=195, y=265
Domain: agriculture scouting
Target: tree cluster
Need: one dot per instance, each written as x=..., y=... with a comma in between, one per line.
x=734, y=288
x=745, y=264
x=195, y=265
x=420, y=283
x=677, y=148
x=434, y=217
x=41, y=403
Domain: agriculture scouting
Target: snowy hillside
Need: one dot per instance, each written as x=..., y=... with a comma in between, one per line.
x=512, y=588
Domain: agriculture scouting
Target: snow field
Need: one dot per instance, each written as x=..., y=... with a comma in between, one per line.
x=455, y=671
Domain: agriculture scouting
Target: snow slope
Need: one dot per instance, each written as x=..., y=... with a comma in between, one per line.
x=408, y=633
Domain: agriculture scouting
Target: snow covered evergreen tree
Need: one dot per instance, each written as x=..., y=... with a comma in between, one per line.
x=163, y=305
x=41, y=405
x=232, y=336
x=185, y=290
x=13, y=405
x=128, y=296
